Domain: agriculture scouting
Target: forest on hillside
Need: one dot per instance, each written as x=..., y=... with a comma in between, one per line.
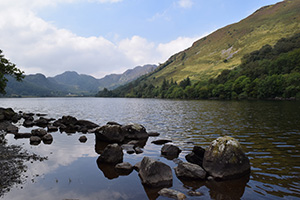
x=268, y=73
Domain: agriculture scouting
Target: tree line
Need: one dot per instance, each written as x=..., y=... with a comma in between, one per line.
x=268, y=73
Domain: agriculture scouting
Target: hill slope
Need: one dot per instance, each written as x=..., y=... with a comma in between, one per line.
x=224, y=48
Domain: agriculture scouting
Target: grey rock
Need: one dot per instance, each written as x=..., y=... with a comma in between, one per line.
x=162, y=141
x=39, y=132
x=154, y=173
x=83, y=138
x=135, y=131
x=153, y=134
x=124, y=168
x=8, y=127
x=51, y=128
x=41, y=122
x=22, y=135
x=196, y=156
x=110, y=133
x=47, y=139
x=87, y=124
x=35, y=140
x=225, y=159
x=174, y=194
x=112, y=154
x=138, y=150
x=194, y=193
x=28, y=123
x=170, y=151
x=190, y=171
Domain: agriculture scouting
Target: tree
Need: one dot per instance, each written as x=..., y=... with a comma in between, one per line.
x=8, y=68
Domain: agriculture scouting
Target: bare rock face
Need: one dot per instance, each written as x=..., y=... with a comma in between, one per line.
x=190, y=171
x=225, y=159
x=154, y=173
x=112, y=154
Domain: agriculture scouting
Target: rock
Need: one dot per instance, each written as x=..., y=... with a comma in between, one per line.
x=190, y=171
x=124, y=168
x=113, y=123
x=51, y=128
x=41, y=122
x=153, y=134
x=16, y=118
x=135, y=132
x=22, y=135
x=6, y=114
x=8, y=127
x=47, y=139
x=196, y=156
x=28, y=123
x=28, y=116
x=225, y=159
x=2, y=137
x=170, y=151
x=87, y=124
x=138, y=150
x=166, y=192
x=129, y=148
x=83, y=139
x=110, y=133
x=154, y=173
x=162, y=141
x=35, y=140
x=112, y=154
x=194, y=193
x=68, y=120
x=38, y=132
x=137, y=166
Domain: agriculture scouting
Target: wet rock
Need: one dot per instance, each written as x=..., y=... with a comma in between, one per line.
x=170, y=151
x=110, y=133
x=129, y=148
x=68, y=120
x=160, y=142
x=154, y=173
x=28, y=116
x=196, y=156
x=225, y=159
x=39, y=132
x=137, y=166
x=190, y=171
x=83, y=139
x=86, y=124
x=35, y=140
x=28, y=123
x=16, y=118
x=51, y=128
x=41, y=122
x=22, y=135
x=8, y=127
x=2, y=137
x=124, y=168
x=6, y=114
x=174, y=194
x=138, y=150
x=47, y=137
x=112, y=154
x=194, y=193
x=113, y=123
x=153, y=134
x=135, y=132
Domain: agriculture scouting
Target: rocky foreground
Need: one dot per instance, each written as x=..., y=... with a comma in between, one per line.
x=224, y=159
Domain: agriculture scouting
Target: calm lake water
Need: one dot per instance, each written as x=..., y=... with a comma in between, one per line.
x=269, y=132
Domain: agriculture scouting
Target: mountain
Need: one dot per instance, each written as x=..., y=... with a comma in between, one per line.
x=71, y=83
x=224, y=48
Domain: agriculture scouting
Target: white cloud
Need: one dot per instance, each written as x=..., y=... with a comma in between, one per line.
x=185, y=3
x=37, y=46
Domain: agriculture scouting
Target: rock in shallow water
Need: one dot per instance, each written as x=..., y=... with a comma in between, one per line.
x=225, y=159
x=112, y=154
x=174, y=194
x=190, y=171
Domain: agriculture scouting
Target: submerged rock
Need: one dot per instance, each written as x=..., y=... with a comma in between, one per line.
x=225, y=159
x=190, y=171
x=154, y=173
x=174, y=194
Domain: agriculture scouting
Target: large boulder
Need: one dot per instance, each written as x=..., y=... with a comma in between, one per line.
x=190, y=171
x=170, y=151
x=154, y=173
x=225, y=159
x=135, y=131
x=110, y=133
x=112, y=154
x=196, y=156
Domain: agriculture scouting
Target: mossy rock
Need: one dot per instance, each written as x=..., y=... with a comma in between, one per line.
x=225, y=159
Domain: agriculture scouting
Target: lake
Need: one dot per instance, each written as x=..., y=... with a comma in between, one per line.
x=269, y=132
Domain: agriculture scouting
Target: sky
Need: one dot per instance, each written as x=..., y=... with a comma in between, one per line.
x=101, y=37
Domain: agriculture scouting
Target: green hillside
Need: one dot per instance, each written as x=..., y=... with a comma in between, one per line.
x=224, y=48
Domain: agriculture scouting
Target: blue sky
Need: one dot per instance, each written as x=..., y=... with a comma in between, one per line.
x=99, y=37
